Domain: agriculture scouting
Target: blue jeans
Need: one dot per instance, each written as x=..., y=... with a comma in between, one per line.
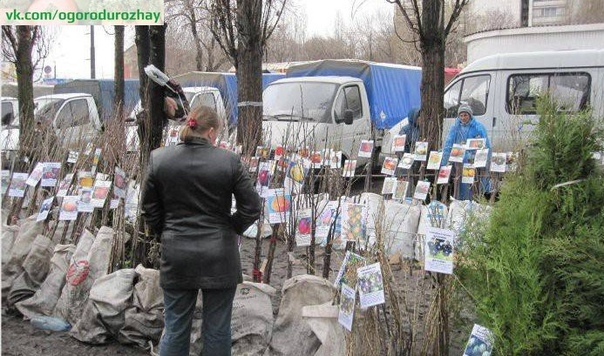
x=179, y=305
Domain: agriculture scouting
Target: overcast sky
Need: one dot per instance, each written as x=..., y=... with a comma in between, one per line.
x=70, y=53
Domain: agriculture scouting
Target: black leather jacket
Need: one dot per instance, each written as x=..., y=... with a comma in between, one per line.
x=187, y=198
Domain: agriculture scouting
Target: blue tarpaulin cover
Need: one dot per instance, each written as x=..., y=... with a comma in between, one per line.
x=392, y=89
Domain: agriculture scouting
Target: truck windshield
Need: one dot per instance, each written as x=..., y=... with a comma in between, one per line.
x=300, y=100
x=203, y=99
x=45, y=109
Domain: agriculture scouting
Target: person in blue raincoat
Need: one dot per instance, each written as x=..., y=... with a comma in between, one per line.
x=466, y=127
x=411, y=129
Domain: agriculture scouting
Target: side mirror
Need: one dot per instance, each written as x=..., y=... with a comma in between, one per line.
x=7, y=119
x=348, y=115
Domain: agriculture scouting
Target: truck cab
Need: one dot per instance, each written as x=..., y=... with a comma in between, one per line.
x=73, y=117
x=317, y=112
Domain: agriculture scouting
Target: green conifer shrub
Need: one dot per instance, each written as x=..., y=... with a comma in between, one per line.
x=536, y=272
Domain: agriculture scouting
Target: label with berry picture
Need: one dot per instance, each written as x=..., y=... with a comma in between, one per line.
x=439, y=250
x=370, y=285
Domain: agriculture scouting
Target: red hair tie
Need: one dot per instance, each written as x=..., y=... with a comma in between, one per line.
x=192, y=123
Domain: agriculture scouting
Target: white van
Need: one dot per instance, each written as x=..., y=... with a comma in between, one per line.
x=502, y=90
x=196, y=96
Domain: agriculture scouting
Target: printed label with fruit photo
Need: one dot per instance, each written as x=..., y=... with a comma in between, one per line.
x=498, y=161
x=371, y=285
x=354, y=221
x=457, y=153
x=439, y=250
x=303, y=227
x=407, y=161
x=50, y=174
x=389, y=185
x=347, y=303
x=434, y=160
x=65, y=185
x=481, y=158
x=264, y=178
x=389, y=165
x=476, y=143
x=35, y=175
x=100, y=191
x=421, y=151
x=443, y=175
x=398, y=143
x=421, y=190
x=69, y=208
x=468, y=174
x=45, y=209
x=278, y=204
x=17, y=185
x=366, y=148
x=120, y=183
x=480, y=342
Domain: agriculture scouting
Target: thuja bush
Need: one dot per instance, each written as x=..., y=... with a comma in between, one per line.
x=536, y=272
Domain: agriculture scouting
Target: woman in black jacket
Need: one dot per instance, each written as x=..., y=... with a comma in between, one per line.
x=186, y=200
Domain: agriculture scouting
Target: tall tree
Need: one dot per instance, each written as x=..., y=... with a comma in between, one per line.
x=189, y=39
x=150, y=44
x=429, y=22
x=119, y=72
x=25, y=47
x=242, y=28
x=189, y=11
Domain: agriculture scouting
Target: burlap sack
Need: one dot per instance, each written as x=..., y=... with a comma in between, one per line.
x=144, y=318
x=323, y=321
x=252, y=319
x=28, y=230
x=396, y=223
x=82, y=273
x=9, y=235
x=291, y=334
x=45, y=299
x=103, y=316
x=35, y=269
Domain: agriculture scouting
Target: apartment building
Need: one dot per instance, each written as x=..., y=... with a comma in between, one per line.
x=529, y=13
x=549, y=12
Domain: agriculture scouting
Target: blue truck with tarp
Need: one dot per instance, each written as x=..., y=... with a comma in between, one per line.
x=339, y=103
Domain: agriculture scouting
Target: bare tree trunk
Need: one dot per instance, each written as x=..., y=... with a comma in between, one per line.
x=143, y=48
x=210, y=63
x=249, y=75
x=25, y=89
x=119, y=73
x=433, y=81
x=433, y=76
x=197, y=40
x=157, y=37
